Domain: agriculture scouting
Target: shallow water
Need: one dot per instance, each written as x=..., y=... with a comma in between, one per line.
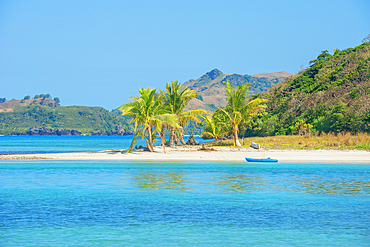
x=55, y=203
x=66, y=144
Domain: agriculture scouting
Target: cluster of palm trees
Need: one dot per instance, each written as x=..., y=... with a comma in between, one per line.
x=153, y=112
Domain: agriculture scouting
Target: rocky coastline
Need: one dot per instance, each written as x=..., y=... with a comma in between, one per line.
x=55, y=132
x=118, y=131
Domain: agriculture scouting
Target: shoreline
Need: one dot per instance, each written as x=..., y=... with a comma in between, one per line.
x=181, y=153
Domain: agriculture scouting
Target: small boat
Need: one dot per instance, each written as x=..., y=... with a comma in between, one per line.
x=261, y=160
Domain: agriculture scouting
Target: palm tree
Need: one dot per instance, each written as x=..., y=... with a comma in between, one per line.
x=147, y=112
x=237, y=109
x=175, y=101
x=217, y=125
x=187, y=116
x=212, y=126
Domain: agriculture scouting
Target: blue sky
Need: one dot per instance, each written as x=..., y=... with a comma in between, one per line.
x=98, y=53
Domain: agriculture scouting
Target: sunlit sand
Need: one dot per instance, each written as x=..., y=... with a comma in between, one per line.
x=195, y=154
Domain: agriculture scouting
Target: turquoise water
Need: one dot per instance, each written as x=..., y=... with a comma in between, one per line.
x=58, y=144
x=89, y=203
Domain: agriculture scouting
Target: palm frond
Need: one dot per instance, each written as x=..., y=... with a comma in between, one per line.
x=207, y=133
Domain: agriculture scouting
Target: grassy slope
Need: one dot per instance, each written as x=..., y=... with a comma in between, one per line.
x=211, y=88
x=10, y=105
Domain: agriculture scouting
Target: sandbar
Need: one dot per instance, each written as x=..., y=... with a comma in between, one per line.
x=193, y=153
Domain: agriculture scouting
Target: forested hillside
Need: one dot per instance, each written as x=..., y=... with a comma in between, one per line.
x=332, y=95
x=88, y=120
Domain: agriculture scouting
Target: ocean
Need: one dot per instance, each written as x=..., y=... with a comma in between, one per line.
x=136, y=203
x=66, y=144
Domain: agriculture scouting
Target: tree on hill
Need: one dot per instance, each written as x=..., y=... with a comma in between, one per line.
x=27, y=97
x=43, y=96
x=366, y=39
x=2, y=100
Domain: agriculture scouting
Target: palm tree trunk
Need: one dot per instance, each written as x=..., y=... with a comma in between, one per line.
x=236, y=140
x=243, y=131
x=176, y=139
x=172, y=134
x=150, y=140
x=163, y=138
x=133, y=142
x=182, y=139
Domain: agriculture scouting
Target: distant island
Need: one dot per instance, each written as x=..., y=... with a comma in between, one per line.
x=42, y=115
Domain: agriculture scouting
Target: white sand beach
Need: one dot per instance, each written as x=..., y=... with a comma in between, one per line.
x=221, y=154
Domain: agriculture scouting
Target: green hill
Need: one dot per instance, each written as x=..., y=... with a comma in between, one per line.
x=88, y=120
x=210, y=87
x=332, y=95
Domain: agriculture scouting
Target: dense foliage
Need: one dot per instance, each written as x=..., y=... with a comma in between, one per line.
x=85, y=119
x=332, y=95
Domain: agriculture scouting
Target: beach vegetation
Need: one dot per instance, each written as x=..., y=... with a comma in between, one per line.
x=213, y=127
x=152, y=113
x=219, y=125
x=148, y=115
x=310, y=141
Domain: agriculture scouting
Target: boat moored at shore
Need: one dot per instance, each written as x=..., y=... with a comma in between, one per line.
x=261, y=160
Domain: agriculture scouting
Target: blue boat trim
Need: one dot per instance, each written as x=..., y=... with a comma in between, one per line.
x=261, y=160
